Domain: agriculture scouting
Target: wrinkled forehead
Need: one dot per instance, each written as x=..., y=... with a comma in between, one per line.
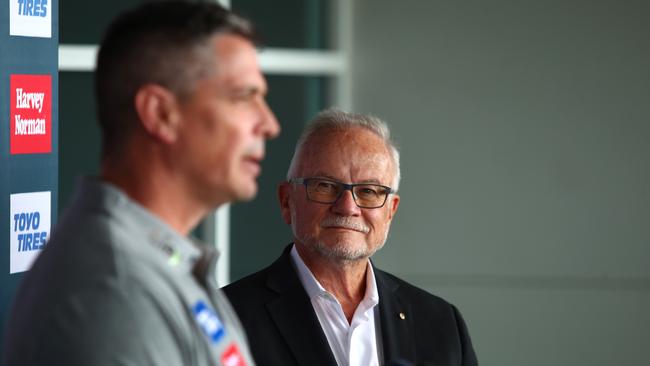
x=354, y=152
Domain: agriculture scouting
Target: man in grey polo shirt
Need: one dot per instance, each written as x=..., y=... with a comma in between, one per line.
x=181, y=104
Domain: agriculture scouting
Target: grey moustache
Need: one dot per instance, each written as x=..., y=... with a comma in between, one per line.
x=344, y=222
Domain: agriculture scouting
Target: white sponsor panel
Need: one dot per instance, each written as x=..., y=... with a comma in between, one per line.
x=29, y=220
x=30, y=18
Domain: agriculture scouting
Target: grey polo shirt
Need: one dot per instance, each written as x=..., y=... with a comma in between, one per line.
x=117, y=286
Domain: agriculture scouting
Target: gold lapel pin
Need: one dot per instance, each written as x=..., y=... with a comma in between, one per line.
x=402, y=316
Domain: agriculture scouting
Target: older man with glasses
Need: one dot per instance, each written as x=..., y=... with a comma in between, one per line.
x=323, y=302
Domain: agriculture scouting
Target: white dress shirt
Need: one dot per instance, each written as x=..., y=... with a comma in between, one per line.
x=353, y=344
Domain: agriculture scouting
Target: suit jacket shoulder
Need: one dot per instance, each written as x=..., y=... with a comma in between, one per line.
x=417, y=328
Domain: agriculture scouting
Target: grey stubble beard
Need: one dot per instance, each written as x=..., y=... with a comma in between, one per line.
x=340, y=253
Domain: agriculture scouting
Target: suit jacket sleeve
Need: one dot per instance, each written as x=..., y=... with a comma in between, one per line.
x=468, y=355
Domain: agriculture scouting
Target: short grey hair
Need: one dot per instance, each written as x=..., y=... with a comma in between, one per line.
x=337, y=120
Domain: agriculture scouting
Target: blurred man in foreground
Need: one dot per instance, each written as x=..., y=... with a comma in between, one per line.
x=181, y=104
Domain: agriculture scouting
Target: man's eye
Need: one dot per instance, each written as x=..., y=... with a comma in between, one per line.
x=247, y=94
x=323, y=185
x=367, y=191
x=242, y=97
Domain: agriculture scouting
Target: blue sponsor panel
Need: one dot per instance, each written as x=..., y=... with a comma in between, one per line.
x=28, y=177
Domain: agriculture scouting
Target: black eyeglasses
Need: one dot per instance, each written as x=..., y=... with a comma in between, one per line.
x=365, y=195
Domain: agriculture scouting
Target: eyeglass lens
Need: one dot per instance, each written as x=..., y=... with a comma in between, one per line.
x=365, y=195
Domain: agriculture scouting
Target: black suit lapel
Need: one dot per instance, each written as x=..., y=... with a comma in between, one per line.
x=294, y=315
x=396, y=321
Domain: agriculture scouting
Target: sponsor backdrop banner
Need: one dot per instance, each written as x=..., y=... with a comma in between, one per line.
x=29, y=35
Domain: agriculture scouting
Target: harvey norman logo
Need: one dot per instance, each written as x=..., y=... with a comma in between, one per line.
x=29, y=228
x=30, y=119
x=30, y=18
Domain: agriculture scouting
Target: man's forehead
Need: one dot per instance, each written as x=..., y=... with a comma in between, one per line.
x=236, y=63
x=358, y=142
x=356, y=151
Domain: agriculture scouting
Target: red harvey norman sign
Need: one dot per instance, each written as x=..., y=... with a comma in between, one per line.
x=30, y=118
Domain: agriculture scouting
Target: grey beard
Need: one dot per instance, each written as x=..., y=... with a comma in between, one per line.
x=341, y=252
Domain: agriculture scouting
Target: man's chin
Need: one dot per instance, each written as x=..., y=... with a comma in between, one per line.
x=343, y=252
x=246, y=193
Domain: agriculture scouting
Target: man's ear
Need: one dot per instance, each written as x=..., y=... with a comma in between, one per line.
x=393, y=203
x=158, y=111
x=284, y=193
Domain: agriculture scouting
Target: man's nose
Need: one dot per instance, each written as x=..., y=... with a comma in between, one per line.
x=345, y=205
x=269, y=124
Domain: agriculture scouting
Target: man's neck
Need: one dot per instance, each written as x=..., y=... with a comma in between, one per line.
x=157, y=190
x=346, y=280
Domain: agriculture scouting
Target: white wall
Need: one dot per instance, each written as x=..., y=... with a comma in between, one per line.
x=525, y=135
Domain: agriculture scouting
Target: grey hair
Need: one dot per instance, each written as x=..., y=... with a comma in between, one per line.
x=335, y=119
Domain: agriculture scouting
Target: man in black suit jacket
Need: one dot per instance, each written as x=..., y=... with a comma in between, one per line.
x=323, y=302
